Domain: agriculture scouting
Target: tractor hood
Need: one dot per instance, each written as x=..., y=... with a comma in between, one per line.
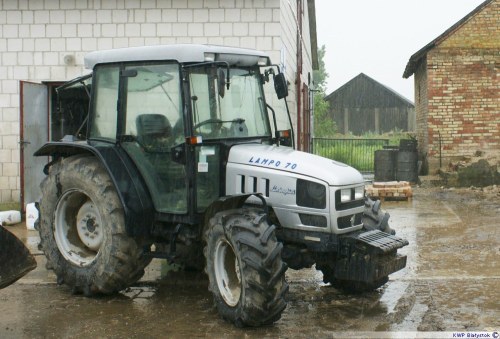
x=289, y=160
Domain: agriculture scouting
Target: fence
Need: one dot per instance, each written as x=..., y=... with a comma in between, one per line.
x=358, y=153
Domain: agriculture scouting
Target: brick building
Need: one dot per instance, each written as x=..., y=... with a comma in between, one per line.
x=43, y=42
x=457, y=90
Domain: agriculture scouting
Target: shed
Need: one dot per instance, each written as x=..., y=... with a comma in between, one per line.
x=364, y=105
x=457, y=90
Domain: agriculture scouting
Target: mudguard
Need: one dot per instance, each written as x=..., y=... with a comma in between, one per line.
x=232, y=202
x=131, y=189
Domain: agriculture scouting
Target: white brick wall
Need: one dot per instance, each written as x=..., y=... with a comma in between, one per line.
x=35, y=35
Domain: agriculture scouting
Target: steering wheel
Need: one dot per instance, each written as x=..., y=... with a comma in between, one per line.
x=215, y=130
x=208, y=121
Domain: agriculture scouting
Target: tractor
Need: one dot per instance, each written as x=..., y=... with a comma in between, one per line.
x=186, y=152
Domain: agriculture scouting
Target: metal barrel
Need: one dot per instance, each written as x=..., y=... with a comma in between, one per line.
x=407, y=166
x=385, y=165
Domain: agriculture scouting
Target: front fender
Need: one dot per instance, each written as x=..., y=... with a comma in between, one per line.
x=231, y=202
x=131, y=189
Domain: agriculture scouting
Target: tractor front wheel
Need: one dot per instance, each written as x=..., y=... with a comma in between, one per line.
x=244, y=267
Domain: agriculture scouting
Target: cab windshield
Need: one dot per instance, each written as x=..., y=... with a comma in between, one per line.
x=222, y=113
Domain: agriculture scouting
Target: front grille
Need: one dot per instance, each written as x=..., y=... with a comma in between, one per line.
x=313, y=220
x=311, y=194
x=349, y=220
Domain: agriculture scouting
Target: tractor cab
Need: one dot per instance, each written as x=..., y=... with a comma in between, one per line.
x=177, y=115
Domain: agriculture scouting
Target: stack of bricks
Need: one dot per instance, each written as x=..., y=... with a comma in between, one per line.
x=390, y=190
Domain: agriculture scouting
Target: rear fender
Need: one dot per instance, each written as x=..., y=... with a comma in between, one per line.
x=131, y=189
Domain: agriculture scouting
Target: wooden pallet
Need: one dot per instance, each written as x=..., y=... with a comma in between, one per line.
x=390, y=190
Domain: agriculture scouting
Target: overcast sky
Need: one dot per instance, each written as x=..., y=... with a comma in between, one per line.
x=377, y=37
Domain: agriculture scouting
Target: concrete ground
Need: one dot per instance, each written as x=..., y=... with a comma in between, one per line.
x=451, y=283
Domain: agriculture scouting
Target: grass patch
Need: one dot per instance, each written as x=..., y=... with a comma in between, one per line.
x=357, y=151
x=359, y=154
x=394, y=136
x=10, y=206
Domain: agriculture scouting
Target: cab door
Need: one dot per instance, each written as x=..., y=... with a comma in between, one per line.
x=34, y=133
x=149, y=126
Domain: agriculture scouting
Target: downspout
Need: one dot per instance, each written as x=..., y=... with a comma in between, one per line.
x=299, y=74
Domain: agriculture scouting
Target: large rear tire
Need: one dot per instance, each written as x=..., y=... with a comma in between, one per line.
x=244, y=266
x=82, y=229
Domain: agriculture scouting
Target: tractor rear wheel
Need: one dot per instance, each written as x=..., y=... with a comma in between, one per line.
x=82, y=229
x=244, y=267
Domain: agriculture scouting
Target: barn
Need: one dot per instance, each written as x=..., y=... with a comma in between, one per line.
x=364, y=105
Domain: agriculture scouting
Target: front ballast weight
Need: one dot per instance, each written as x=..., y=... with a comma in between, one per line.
x=369, y=257
x=365, y=258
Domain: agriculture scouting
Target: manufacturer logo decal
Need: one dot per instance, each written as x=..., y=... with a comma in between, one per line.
x=282, y=190
x=273, y=163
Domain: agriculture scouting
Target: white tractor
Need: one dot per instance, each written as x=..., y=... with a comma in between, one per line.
x=185, y=152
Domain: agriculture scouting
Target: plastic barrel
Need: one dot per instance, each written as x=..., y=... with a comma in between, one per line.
x=407, y=166
x=385, y=165
x=10, y=217
x=31, y=215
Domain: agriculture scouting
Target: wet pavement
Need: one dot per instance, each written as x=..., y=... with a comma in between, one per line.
x=451, y=283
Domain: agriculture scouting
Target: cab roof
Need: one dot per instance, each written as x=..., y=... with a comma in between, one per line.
x=182, y=53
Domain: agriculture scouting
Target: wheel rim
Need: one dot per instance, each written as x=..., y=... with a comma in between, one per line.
x=227, y=273
x=78, y=228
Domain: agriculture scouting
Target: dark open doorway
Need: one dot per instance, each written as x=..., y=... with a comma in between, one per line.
x=45, y=118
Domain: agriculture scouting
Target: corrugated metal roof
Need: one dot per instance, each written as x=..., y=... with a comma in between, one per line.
x=365, y=78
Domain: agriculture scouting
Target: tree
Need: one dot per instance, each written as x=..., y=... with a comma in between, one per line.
x=324, y=125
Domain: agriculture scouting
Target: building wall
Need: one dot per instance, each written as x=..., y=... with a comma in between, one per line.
x=463, y=90
x=421, y=108
x=36, y=35
x=289, y=27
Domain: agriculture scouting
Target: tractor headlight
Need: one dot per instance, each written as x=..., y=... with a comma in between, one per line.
x=311, y=194
x=345, y=195
x=348, y=194
x=347, y=198
x=359, y=192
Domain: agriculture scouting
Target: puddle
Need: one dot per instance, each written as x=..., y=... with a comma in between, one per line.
x=450, y=284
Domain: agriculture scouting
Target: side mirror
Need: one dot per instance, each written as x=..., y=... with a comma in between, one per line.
x=280, y=86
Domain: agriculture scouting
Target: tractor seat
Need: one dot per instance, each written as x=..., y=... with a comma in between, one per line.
x=154, y=132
